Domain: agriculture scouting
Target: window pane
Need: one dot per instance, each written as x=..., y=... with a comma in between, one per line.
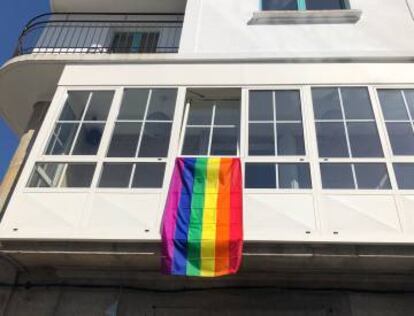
x=325, y=4
x=288, y=106
x=196, y=141
x=364, y=140
x=294, y=176
x=78, y=176
x=115, y=175
x=74, y=106
x=227, y=113
x=133, y=104
x=156, y=140
x=46, y=175
x=280, y=5
x=337, y=176
x=357, y=104
x=225, y=141
x=290, y=139
x=326, y=103
x=162, y=104
x=89, y=139
x=392, y=104
x=372, y=176
x=200, y=113
x=149, y=175
x=260, y=176
x=401, y=138
x=405, y=175
x=261, y=139
x=99, y=106
x=409, y=96
x=62, y=138
x=331, y=140
x=124, y=140
x=261, y=106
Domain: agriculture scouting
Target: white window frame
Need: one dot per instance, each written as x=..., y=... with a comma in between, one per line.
x=211, y=125
x=390, y=157
x=352, y=160
x=38, y=153
x=280, y=159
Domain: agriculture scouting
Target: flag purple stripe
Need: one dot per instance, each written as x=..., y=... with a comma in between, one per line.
x=170, y=218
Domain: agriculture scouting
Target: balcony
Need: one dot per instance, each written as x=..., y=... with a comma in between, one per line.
x=101, y=33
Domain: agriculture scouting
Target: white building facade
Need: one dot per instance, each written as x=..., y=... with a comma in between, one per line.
x=316, y=97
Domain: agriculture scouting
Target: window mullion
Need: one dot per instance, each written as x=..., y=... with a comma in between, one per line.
x=274, y=123
x=210, y=137
x=407, y=109
x=354, y=176
x=348, y=142
x=75, y=139
x=141, y=134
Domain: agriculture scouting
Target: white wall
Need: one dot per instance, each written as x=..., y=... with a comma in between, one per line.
x=312, y=215
x=221, y=27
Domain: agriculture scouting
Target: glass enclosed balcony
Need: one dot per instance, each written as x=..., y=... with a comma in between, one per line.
x=98, y=33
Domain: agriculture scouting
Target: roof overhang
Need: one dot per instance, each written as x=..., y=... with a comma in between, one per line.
x=119, y=6
x=24, y=82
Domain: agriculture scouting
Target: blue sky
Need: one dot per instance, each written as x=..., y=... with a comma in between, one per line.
x=14, y=14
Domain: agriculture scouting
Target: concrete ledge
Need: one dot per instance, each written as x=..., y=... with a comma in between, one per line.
x=306, y=17
x=313, y=266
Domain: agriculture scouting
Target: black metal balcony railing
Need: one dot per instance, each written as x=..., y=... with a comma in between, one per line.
x=91, y=33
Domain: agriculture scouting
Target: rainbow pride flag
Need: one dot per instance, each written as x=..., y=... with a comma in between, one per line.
x=202, y=229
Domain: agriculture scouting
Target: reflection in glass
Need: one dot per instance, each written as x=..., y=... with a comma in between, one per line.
x=260, y=176
x=331, y=140
x=99, y=106
x=62, y=139
x=261, y=139
x=162, y=104
x=290, y=140
x=364, y=139
x=133, y=104
x=401, y=138
x=337, y=176
x=280, y=5
x=89, y=139
x=372, y=176
x=326, y=103
x=115, y=175
x=196, y=141
x=155, y=141
x=288, y=106
x=405, y=175
x=78, y=175
x=294, y=176
x=225, y=141
x=124, y=140
x=74, y=106
x=261, y=106
x=357, y=103
x=392, y=104
x=148, y=175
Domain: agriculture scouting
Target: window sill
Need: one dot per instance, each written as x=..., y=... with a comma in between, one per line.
x=305, y=17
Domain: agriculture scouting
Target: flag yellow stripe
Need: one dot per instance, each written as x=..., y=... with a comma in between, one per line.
x=208, y=239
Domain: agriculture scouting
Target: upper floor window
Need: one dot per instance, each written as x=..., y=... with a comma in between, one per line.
x=287, y=5
x=135, y=42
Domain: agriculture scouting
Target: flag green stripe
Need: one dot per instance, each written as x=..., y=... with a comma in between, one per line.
x=196, y=218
